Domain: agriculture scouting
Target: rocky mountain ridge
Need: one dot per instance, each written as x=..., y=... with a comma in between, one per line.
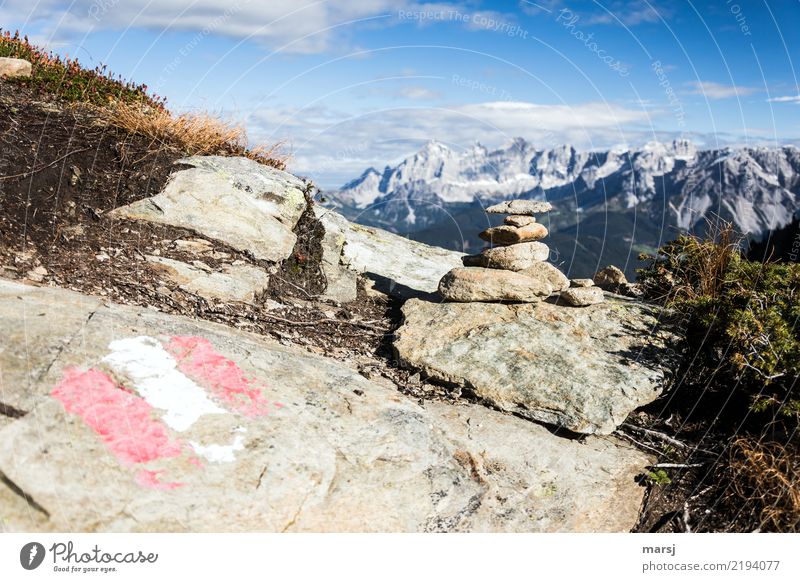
x=629, y=200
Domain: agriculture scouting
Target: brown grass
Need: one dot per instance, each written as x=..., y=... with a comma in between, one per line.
x=714, y=255
x=767, y=475
x=196, y=134
x=692, y=267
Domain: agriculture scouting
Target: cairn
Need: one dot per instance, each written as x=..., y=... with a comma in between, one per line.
x=515, y=267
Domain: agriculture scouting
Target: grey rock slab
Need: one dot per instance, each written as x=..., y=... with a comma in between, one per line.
x=581, y=369
x=465, y=284
x=523, y=207
x=399, y=266
x=511, y=258
x=35, y=333
x=10, y=67
x=248, y=206
x=230, y=283
x=333, y=452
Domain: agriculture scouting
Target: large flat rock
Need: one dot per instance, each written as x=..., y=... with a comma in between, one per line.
x=247, y=205
x=140, y=421
x=584, y=369
x=399, y=266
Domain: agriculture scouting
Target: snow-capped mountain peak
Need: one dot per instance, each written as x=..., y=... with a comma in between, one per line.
x=757, y=188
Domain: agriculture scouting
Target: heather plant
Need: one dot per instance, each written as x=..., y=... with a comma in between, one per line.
x=66, y=80
x=131, y=106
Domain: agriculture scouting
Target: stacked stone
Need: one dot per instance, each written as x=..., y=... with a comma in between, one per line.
x=515, y=267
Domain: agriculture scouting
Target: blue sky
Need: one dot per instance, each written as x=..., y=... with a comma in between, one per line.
x=351, y=84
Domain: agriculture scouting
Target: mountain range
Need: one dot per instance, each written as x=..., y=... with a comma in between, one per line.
x=609, y=206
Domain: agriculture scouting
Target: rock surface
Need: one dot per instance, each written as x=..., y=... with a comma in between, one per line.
x=511, y=235
x=465, y=284
x=232, y=283
x=247, y=205
x=219, y=430
x=400, y=266
x=582, y=369
x=14, y=67
x=523, y=207
x=582, y=296
x=511, y=258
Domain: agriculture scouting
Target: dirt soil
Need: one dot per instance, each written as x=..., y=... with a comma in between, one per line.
x=696, y=495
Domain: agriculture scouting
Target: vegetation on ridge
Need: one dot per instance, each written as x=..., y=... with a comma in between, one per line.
x=130, y=106
x=742, y=344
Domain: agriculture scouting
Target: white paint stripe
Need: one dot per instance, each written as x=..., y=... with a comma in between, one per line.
x=155, y=377
x=219, y=453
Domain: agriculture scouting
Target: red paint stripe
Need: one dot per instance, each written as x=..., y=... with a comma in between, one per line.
x=149, y=479
x=198, y=359
x=123, y=420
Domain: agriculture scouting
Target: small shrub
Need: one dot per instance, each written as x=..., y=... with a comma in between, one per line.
x=658, y=477
x=742, y=322
x=742, y=318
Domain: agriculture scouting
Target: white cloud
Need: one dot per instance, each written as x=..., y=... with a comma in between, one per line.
x=414, y=92
x=629, y=15
x=626, y=12
x=786, y=99
x=718, y=91
x=333, y=147
x=295, y=26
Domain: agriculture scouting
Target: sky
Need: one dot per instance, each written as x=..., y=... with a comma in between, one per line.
x=345, y=85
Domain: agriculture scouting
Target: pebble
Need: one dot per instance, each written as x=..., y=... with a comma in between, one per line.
x=610, y=278
x=581, y=283
x=582, y=296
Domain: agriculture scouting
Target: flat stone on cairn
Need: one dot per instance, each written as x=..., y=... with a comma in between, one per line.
x=516, y=271
x=465, y=284
x=510, y=258
x=523, y=207
x=519, y=220
x=510, y=235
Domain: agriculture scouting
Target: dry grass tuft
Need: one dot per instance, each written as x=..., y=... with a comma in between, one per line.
x=691, y=267
x=196, y=134
x=767, y=476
